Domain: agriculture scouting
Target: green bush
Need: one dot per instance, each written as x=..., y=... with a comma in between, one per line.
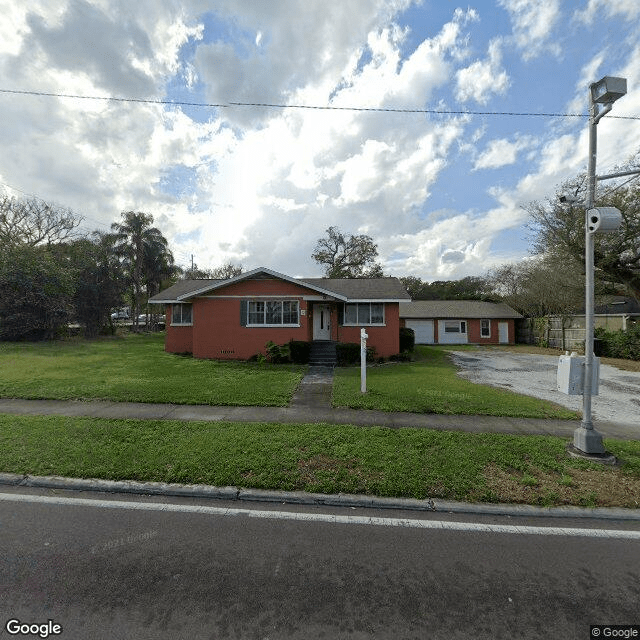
x=300, y=351
x=348, y=353
x=277, y=354
x=620, y=344
x=407, y=339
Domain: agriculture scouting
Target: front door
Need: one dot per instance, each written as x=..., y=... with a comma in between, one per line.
x=503, y=332
x=321, y=322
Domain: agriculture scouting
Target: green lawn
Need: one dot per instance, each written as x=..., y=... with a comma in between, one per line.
x=135, y=368
x=416, y=463
x=430, y=385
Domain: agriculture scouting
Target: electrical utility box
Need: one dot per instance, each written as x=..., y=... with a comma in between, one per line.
x=571, y=375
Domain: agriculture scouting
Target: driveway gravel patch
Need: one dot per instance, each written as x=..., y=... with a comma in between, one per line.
x=535, y=375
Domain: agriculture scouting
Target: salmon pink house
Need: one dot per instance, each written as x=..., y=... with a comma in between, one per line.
x=235, y=318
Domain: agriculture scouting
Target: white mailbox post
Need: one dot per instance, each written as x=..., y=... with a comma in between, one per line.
x=363, y=361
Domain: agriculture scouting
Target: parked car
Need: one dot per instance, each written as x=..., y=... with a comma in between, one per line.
x=120, y=314
x=142, y=318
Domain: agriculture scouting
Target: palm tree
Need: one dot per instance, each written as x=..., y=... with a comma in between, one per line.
x=145, y=253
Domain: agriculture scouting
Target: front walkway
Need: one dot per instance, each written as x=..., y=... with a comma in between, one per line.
x=315, y=390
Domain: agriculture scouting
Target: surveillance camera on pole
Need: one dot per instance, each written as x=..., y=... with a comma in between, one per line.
x=569, y=199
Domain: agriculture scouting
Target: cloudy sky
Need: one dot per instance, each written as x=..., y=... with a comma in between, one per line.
x=441, y=192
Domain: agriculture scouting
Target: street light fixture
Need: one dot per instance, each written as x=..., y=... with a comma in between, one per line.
x=608, y=90
x=604, y=92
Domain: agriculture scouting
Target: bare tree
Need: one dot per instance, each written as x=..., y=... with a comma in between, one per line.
x=34, y=222
x=540, y=286
x=225, y=272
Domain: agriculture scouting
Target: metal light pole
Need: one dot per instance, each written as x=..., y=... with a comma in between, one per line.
x=604, y=92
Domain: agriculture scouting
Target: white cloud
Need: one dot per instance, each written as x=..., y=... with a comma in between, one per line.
x=482, y=79
x=589, y=73
x=502, y=152
x=630, y=9
x=533, y=22
x=260, y=186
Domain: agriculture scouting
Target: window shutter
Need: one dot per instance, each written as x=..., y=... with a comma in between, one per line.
x=244, y=312
x=341, y=314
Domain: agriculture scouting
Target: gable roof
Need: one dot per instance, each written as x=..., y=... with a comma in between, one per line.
x=347, y=290
x=180, y=289
x=362, y=289
x=456, y=309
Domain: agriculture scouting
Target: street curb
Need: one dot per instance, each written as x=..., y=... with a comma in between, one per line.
x=303, y=498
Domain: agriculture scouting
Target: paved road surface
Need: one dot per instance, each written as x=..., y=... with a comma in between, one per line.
x=135, y=572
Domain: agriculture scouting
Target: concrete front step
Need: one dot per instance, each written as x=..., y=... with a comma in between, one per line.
x=323, y=353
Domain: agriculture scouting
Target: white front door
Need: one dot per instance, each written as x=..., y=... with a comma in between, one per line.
x=321, y=322
x=503, y=332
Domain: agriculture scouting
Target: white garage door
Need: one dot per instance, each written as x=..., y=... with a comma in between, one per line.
x=423, y=330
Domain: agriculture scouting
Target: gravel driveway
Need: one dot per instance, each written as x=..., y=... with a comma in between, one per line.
x=535, y=375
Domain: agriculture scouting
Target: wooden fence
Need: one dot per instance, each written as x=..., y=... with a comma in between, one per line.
x=563, y=332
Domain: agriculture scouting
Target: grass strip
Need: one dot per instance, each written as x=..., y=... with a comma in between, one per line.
x=323, y=458
x=430, y=385
x=135, y=368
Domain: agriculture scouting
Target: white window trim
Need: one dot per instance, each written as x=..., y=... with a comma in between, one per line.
x=271, y=326
x=181, y=324
x=489, y=329
x=365, y=324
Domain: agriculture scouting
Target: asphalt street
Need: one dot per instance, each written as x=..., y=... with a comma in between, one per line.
x=123, y=566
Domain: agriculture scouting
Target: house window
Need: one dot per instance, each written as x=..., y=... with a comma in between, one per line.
x=181, y=314
x=455, y=326
x=364, y=313
x=273, y=313
x=485, y=328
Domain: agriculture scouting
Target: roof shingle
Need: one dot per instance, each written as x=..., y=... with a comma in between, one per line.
x=356, y=289
x=456, y=309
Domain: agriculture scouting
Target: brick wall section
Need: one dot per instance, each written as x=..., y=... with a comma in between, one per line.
x=386, y=340
x=473, y=331
x=263, y=287
x=178, y=339
x=218, y=333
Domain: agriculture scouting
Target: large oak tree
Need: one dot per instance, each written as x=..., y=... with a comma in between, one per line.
x=347, y=256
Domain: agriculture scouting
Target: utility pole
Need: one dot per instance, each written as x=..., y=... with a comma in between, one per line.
x=604, y=92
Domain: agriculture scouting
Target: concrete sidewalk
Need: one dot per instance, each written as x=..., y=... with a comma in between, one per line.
x=311, y=403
